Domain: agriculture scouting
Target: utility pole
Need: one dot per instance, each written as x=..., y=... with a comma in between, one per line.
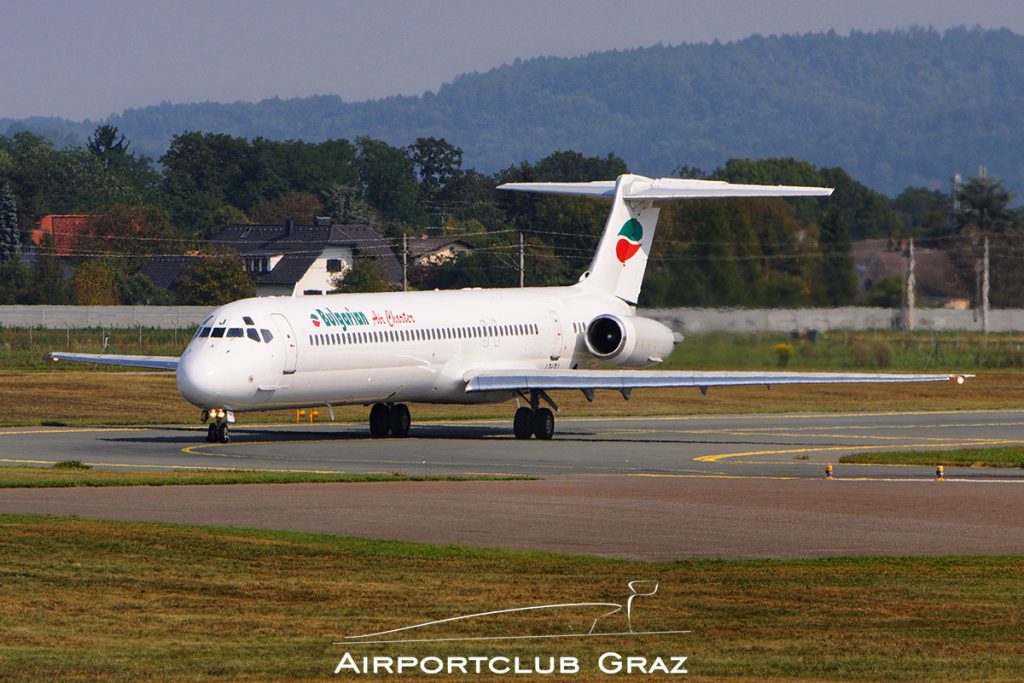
x=522, y=268
x=910, y=313
x=984, y=291
x=405, y=263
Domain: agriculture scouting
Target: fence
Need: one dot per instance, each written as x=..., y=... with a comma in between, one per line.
x=687, y=320
x=692, y=320
x=77, y=317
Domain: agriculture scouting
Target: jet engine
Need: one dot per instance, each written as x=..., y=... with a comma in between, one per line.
x=630, y=342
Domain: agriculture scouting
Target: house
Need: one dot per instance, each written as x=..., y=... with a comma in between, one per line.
x=938, y=281
x=288, y=259
x=64, y=229
x=433, y=251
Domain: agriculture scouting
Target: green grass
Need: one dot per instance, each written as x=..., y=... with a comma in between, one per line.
x=99, y=601
x=851, y=350
x=25, y=349
x=61, y=477
x=1001, y=456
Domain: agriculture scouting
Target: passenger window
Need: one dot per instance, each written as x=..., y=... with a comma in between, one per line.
x=217, y=332
x=266, y=335
x=204, y=332
x=235, y=332
x=247, y=320
x=253, y=334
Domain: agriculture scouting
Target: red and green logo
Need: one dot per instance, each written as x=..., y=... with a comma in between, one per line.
x=629, y=240
x=316, y=321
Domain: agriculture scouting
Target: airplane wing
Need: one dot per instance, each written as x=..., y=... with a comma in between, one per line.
x=521, y=380
x=151, y=362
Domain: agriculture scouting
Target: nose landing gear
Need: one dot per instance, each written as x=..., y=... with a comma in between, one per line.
x=393, y=418
x=217, y=431
x=535, y=421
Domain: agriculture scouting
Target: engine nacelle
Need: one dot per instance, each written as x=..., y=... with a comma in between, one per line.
x=631, y=342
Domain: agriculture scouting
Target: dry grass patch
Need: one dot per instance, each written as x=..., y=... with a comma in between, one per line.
x=84, y=398
x=87, y=600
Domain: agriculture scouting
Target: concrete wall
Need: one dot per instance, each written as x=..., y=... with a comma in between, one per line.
x=852, y=318
x=59, y=317
x=686, y=320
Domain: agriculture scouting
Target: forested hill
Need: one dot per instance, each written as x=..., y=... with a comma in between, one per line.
x=893, y=108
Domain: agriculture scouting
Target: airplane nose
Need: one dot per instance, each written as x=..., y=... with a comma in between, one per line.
x=198, y=380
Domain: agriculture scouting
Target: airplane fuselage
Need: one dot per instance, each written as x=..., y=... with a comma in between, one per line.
x=390, y=347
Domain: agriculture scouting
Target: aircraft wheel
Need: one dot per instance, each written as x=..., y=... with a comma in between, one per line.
x=380, y=420
x=543, y=424
x=400, y=420
x=211, y=433
x=222, y=433
x=522, y=423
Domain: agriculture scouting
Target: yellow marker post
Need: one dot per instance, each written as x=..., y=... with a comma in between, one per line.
x=938, y=473
x=299, y=414
x=312, y=414
x=828, y=471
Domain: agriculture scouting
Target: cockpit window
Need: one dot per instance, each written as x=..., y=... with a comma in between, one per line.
x=235, y=332
x=247, y=320
x=217, y=332
x=204, y=332
x=252, y=334
x=266, y=335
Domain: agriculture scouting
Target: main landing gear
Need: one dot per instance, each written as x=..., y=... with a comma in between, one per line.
x=535, y=421
x=390, y=418
x=217, y=431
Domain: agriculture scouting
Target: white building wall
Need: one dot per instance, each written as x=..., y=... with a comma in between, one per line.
x=317, y=278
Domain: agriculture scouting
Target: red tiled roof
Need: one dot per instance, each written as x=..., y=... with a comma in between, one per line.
x=64, y=228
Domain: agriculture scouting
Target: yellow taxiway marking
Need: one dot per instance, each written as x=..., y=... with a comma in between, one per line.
x=820, y=449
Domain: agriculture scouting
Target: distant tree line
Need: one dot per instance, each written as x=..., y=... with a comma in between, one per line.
x=763, y=252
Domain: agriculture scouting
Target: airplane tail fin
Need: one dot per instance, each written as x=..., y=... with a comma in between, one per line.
x=621, y=258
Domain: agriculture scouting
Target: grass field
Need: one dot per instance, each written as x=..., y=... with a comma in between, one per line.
x=88, y=600
x=38, y=391
x=1001, y=456
x=50, y=477
x=25, y=349
x=119, y=398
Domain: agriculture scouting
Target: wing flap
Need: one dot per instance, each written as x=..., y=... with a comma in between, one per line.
x=513, y=380
x=150, y=362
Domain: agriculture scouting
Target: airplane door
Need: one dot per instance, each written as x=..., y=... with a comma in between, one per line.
x=287, y=335
x=556, y=349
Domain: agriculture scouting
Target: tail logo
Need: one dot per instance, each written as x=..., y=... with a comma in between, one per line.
x=629, y=240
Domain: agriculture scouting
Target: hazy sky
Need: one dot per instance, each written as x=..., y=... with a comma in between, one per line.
x=91, y=58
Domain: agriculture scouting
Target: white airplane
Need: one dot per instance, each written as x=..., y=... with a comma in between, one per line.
x=466, y=346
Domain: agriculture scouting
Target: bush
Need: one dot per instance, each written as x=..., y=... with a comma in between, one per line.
x=783, y=352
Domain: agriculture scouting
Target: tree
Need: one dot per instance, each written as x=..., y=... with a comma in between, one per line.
x=215, y=280
x=365, y=275
x=10, y=239
x=345, y=205
x=438, y=164
x=94, y=284
x=130, y=230
x=14, y=282
x=48, y=285
x=105, y=145
x=389, y=181
x=983, y=206
x=302, y=207
x=837, y=260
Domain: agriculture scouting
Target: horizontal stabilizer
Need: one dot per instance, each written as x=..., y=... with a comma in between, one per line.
x=521, y=380
x=150, y=362
x=669, y=188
